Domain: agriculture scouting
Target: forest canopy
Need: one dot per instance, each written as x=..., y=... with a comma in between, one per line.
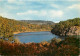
x=63, y=27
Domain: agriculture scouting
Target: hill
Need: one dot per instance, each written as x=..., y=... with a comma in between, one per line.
x=69, y=27
x=39, y=22
x=26, y=26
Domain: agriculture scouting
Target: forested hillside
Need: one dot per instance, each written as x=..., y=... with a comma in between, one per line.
x=69, y=27
x=19, y=26
x=39, y=22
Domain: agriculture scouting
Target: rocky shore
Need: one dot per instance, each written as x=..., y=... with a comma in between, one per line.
x=74, y=30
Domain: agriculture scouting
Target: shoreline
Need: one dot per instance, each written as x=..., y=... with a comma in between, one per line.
x=28, y=32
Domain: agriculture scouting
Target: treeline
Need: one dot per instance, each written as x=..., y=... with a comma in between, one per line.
x=57, y=47
x=23, y=26
x=39, y=22
x=62, y=28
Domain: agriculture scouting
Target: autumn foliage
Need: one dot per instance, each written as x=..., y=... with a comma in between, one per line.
x=67, y=47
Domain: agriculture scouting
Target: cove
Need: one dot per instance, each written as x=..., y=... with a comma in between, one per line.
x=35, y=37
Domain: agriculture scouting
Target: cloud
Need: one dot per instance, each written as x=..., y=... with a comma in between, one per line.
x=34, y=12
x=75, y=6
x=54, y=13
x=55, y=10
x=54, y=5
x=11, y=7
x=28, y=12
x=12, y=1
x=8, y=15
x=49, y=13
x=18, y=2
x=74, y=10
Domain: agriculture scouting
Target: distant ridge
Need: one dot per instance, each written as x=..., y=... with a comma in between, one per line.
x=40, y=22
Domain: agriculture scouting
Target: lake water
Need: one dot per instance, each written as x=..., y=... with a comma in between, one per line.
x=35, y=36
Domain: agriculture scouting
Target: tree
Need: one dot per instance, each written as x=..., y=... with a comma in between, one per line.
x=6, y=31
x=63, y=27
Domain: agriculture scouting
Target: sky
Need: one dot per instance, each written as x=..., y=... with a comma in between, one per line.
x=48, y=10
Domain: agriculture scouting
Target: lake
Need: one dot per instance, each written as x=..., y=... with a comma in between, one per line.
x=35, y=36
